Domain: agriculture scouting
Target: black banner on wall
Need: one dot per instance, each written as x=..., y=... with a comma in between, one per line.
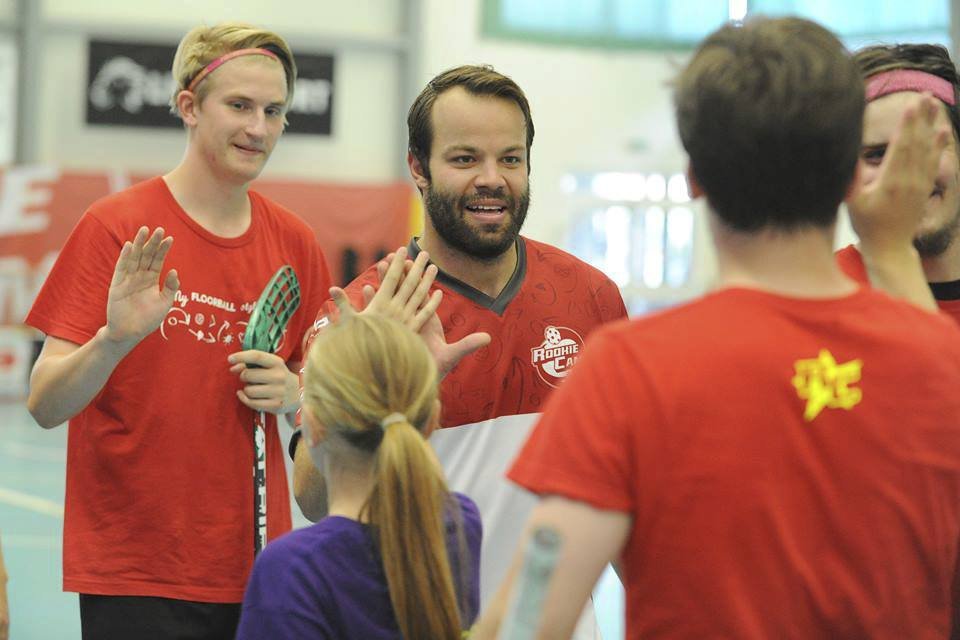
x=131, y=84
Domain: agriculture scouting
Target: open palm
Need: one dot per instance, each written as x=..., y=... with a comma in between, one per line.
x=136, y=304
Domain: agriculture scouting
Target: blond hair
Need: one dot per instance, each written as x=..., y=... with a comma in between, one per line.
x=358, y=372
x=203, y=44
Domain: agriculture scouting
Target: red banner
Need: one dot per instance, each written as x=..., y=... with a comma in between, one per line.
x=39, y=206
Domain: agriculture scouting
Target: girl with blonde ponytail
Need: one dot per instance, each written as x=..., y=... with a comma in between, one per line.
x=398, y=555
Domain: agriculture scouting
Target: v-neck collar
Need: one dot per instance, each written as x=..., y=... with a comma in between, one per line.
x=499, y=304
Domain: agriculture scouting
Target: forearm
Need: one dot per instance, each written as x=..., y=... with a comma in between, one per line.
x=309, y=486
x=64, y=381
x=898, y=272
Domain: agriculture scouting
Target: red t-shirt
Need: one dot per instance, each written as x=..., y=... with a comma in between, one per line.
x=159, y=495
x=850, y=262
x=792, y=467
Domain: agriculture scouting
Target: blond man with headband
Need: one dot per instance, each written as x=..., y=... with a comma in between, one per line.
x=158, y=531
x=894, y=76
x=397, y=556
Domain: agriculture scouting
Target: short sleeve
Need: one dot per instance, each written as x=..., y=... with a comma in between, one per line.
x=583, y=447
x=316, y=278
x=72, y=304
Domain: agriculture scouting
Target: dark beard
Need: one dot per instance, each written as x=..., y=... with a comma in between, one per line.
x=935, y=243
x=445, y=215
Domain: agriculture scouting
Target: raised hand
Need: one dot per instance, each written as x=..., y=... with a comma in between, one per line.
x=404, y=291
x=448, y=355
x=136, y=303
x=886, y=211
x=426, y=322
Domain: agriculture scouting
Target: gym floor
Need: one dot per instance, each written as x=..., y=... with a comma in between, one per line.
x=32, y=463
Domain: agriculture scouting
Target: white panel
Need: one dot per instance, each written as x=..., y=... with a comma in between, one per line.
x=8, y=99
x=8, y=12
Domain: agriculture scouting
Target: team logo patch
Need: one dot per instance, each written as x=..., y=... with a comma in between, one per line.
x=826, y=384
x=559, y=351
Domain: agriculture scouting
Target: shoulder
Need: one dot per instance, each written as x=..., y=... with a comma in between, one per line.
x=540, y=254
x=282, y=217
x=369, y=276
x=546, y=262
x=129, y=203
x=308, y=539
x=308, y=550
x=911, y=318
x=469, y=509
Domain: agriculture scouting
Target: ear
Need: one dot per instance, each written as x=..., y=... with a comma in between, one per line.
x=696, y=191
x=417, y=172
x=315, y=431
x=433, y=422
x=188, y=105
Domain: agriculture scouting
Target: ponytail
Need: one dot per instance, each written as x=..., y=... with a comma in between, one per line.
x=358, y=372
x=407, y=508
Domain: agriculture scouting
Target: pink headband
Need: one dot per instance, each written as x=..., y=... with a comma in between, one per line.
x=210, y=68
x=910, y=80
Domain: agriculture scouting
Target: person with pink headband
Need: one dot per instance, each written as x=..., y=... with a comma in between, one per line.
x=142, y=357
x=894, y=75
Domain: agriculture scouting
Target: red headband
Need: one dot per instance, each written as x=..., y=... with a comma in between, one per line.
x=210, y=68
x=910, y=80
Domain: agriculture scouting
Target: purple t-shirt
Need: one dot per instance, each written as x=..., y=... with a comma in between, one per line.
x=327, y=581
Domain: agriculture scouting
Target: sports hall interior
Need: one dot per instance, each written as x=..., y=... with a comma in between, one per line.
x=607, y=168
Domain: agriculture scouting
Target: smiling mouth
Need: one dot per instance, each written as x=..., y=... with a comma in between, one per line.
x=251, y=150
x=486, y=210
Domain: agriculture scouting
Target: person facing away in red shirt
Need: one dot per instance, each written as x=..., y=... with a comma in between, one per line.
x=763, y=462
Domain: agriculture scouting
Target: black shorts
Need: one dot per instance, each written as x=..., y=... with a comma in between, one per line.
x=150, y=618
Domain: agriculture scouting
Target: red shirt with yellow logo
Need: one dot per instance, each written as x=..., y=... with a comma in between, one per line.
x=791, y=466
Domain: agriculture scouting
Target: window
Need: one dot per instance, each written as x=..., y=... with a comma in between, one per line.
x=638, y=229
x=683, y=23
x=887, y=19
x=605, y=23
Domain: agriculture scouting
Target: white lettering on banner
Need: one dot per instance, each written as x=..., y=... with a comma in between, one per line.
x=141, y=86
x=311, y=96
x=19, y=193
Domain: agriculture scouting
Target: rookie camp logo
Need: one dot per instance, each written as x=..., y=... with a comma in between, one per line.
x=558, y=353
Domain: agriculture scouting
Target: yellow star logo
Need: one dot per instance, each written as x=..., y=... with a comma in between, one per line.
x=824, y=384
